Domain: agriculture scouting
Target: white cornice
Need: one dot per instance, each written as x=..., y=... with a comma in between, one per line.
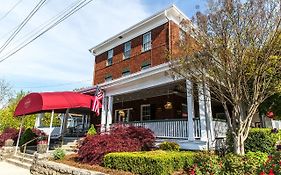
x=172, y=13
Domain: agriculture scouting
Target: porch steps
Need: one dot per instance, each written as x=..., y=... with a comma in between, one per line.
x=21, y=160
x=70, y=144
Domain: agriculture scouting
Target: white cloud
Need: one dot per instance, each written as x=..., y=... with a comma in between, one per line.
x=61, y=55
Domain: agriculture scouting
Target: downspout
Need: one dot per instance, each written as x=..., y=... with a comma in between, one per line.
x=169, y=32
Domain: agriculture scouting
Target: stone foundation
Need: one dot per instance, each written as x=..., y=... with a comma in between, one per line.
x=53, y=168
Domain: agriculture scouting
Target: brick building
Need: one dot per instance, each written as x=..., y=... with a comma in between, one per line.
x=132, y=70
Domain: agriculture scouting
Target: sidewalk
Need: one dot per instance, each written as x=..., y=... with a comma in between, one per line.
x=9, y=169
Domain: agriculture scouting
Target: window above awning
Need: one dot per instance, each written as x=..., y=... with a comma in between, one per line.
x=48, y=101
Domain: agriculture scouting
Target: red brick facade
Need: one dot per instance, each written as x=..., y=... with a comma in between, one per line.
x=156, y=55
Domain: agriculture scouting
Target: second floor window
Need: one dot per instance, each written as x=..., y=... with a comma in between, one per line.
x=127, y=50
x=109, y=57
x=146, y=42
x=108, y=77
x=126, y=71
x=145, y=65
x=182, y=35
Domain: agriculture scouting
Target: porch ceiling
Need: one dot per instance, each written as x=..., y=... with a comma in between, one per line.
x=177, y=87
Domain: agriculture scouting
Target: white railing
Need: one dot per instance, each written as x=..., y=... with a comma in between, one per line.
x=276, y=124
x=220, y=128
x=172, y=128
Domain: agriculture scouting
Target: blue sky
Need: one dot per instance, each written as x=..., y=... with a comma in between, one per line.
x=59, y=60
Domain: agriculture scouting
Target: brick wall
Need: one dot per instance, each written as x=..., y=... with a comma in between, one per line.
x=156, y=56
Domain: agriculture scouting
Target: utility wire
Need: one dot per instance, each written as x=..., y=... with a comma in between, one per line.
x=45, y=24
x=14, y=6
x=75, y=9
x=22, y=24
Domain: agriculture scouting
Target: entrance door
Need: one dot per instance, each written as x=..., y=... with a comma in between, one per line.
x=123, y=115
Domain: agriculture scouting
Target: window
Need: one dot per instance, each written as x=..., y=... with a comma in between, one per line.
x=109, y=57
x=145, y=112
x=146, y=42
x=145, y=65
x=126, y=71
x=182, y=36
x=108, y=77
x=127, y=50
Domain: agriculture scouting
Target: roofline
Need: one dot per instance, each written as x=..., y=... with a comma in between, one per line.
x=136, y=26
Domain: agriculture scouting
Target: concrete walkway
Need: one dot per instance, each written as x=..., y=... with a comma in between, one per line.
x=9, y=169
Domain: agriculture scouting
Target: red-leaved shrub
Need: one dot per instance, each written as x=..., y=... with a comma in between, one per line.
x=8, y=133
x=121, y=138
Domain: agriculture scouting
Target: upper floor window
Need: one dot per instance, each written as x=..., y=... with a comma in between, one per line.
x=146, y=42
x=182, y=35
x=145, y=65
x=108, y=77
x=127, y=50
x=109, y=57
x=126, y=71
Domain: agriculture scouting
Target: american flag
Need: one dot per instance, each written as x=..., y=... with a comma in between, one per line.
x=97, y=103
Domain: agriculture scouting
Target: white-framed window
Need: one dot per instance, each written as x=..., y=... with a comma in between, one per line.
x=126, y=72
x=109, y=57
x=127, y=50
x=145, y=112
x=145, y=65
x=123, y=115
x=108, y=78
x=146, y=42
x=182, y=35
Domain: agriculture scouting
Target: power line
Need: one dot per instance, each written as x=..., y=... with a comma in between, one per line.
x=22, y=24
x=9, y=11
x=65, y=16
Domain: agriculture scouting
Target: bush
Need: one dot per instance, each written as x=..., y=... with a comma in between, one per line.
x=8, y=133
x=58, y=154
x=154, y=162
x=259, y=139
x=207, y=163
x=248, y=164
x=272, y=164
x=92, y=131
x=169, y=146
x=144, y=136
x=27, y=136
x=119, y=139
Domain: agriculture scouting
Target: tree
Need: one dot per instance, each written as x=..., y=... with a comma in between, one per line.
x=5, y=92
x=235, y=50
x=7, y=118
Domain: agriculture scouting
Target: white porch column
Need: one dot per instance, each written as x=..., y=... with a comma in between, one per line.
x=209, y=115
x=109, y=112
x=202, y=113
x=103, y=113
x=190, y=109
x=38, y=120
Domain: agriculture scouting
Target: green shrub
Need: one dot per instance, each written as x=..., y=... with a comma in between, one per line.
x=261, y=139
x=92, y=131
x=248, y=164
x=27, y=136
x=149, y=163
x=207, y=163
x=58, y=154
x=169, y=146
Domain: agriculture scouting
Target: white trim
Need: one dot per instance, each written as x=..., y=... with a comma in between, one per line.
x=158, y=19
x=141, y=110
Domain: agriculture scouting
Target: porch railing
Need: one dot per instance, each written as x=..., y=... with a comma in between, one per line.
x=172, y=128
x=220, y=128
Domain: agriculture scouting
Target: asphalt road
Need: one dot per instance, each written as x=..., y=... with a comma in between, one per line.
x=9, y=169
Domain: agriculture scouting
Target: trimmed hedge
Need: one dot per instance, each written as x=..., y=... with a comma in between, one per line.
x=259, y=139
x=149, y=163
x=169, y=146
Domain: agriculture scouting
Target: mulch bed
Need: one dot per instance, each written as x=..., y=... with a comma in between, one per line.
x=71, y=160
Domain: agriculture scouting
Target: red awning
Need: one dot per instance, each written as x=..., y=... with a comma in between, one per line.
x=48, y=101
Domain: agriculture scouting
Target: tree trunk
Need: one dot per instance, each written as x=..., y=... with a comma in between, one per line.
x=239, y=145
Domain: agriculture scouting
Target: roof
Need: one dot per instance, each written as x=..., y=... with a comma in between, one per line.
x=48, y=101
x=170, y=13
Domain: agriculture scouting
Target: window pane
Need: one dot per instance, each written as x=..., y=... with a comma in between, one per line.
x=146, y=41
